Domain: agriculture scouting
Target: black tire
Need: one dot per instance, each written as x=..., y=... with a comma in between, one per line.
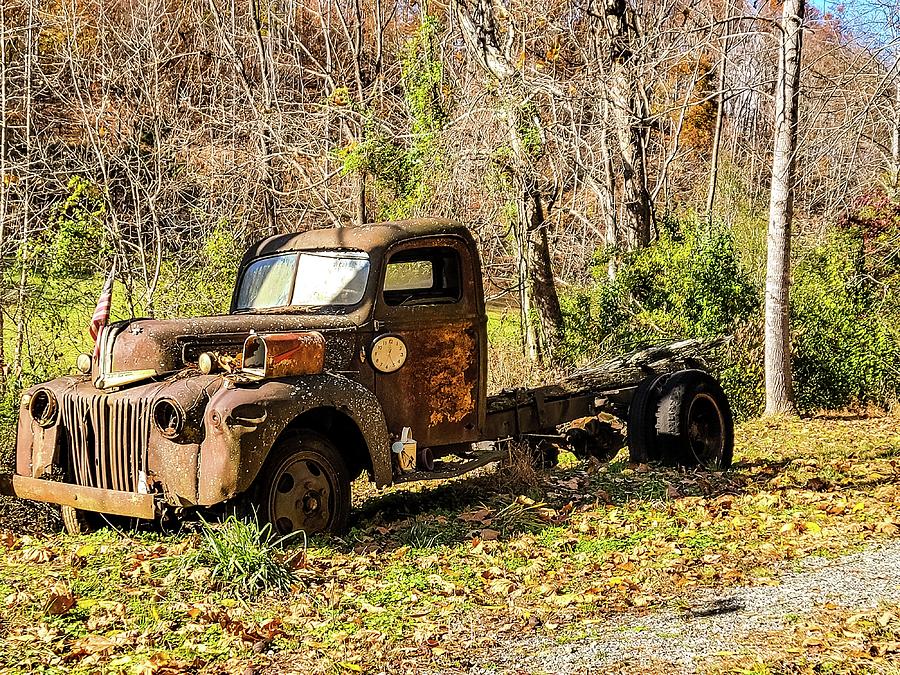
x=304, y=485
x=694, y=424
x=642, y=435
x=80, y=522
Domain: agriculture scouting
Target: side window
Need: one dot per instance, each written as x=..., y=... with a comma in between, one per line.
x=422, y=276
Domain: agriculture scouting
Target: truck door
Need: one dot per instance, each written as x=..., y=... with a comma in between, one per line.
x=429, y=348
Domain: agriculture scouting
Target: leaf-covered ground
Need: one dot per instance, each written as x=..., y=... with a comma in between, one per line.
x=451, y=577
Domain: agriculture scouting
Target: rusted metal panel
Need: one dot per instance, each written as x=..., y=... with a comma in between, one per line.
x=108, y=437
x=46, y=450
x=169, y=345
x=243, y=422
x=522, y=413
x=81, y=497
x=284, y=354
x=436, y=391
x=439, y=391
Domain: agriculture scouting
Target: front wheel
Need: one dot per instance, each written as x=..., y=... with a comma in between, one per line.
x=78, y=521
x=304, y=485
x=694, y=424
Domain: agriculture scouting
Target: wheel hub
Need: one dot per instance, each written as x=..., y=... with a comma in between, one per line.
x=706, y=430
x=310, y=503
x=301, y=498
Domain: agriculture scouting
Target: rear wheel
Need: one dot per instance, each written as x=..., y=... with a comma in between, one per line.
x=694, y=421
x=642, y=435
x=305, y=485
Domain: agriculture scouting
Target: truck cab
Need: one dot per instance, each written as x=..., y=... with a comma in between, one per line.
x=367, y=332
x=413, y=293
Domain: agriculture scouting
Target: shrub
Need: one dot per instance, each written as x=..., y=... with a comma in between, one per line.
x=74, y=244
x=845, y=310
x=844, y=319
x=686, y=284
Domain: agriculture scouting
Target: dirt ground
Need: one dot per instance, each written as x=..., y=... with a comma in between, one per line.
x=735, y=627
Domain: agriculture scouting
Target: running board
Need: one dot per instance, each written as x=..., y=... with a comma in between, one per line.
x=454, y=468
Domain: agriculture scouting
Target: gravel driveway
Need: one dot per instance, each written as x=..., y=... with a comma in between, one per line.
x=739, y=621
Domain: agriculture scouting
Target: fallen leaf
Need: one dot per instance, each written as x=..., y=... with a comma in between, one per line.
x=60, y=600
x=37, y=555
x=886, y=618
x=8, y=539
x=372, y=609
x=672, y=492
x=479, y=516
x=85, y=551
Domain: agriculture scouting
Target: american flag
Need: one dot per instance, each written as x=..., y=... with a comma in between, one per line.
x=101, y=314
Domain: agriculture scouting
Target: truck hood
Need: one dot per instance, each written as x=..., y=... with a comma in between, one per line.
x=165, y=346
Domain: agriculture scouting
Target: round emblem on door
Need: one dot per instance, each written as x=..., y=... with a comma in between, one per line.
x=388, y=353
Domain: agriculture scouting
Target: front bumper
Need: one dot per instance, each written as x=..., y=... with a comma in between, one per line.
x=113, y=502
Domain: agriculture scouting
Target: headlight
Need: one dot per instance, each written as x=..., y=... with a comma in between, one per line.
x=43, y=407
x=84, y=362
x=168, y=418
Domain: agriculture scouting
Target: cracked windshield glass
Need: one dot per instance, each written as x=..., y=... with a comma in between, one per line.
x=322, y=278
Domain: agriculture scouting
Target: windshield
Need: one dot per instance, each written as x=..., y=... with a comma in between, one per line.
x=319, y=278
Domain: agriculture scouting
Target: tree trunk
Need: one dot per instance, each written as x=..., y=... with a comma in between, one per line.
x=4, y=180
x=625, y=115
x=895, y=139
x=546, y=325
x=720, y=119
x=531, y=346
x=21, y=297
x=362, y=216
x=542, y=321
x=779, y=385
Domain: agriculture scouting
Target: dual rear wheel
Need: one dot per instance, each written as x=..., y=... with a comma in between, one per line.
x=682, y=418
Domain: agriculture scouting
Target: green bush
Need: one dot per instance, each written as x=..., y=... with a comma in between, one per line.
x=845, y=312
x=844, y=326
x=74, y=243
x=245, y=556
x=686, y=284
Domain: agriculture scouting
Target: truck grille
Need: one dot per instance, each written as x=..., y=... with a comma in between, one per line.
x=108, y=440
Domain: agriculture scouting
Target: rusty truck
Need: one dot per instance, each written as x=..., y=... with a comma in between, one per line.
x=346, y=351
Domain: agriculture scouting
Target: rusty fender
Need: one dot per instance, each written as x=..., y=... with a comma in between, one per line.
x=242, y=423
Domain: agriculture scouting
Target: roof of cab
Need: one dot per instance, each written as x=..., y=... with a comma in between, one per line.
x=369, y=238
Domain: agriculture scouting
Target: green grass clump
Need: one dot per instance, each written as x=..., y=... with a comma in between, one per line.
x=245, y=557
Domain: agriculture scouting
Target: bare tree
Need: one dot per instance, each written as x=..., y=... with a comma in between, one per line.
x=720, y=116
x=779, y=383
x=619, y=35
x=542, y=320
